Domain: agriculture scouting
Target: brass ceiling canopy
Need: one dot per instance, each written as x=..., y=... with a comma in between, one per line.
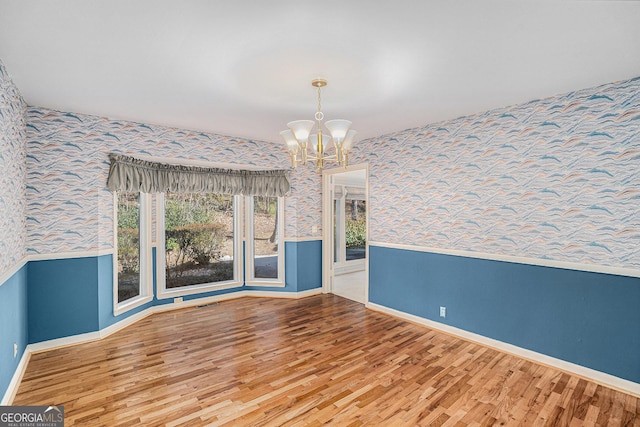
x=318, y=83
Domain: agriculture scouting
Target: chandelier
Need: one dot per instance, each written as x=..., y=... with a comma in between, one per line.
x=299, y=135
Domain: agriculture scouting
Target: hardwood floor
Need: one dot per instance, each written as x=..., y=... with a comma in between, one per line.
x=308, y=362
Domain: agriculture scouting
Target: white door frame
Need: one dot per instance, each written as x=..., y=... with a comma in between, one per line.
x=327, y=225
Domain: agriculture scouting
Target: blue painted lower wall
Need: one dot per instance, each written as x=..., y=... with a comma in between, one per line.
x=62, y=297
x=13, y=325
x=590, y=319
x=309, y=265
x=303, y=265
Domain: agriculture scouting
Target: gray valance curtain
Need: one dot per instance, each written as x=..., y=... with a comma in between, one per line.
x=131, y=174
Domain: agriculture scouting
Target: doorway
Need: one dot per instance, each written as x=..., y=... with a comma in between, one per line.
x=345, y=256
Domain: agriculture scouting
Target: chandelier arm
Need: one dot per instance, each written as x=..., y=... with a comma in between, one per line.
x=303, y=148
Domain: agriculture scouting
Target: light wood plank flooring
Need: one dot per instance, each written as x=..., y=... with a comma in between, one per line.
x=322, y=360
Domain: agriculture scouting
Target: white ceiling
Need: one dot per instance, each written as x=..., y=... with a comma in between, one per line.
x=244, y=68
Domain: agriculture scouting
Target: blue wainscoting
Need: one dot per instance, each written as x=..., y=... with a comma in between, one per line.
x=62, y=298
x=303, y=265
x=590, y=319
x=13, y=325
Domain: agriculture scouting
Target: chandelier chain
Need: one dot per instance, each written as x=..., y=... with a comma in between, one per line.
x=319, y=115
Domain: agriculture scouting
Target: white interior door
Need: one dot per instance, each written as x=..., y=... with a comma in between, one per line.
x=345, y=265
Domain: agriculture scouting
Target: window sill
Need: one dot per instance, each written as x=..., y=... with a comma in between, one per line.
x=130, y=304
x=265, y=283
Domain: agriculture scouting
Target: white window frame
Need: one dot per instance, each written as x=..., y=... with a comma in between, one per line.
x=146, y=278
x=162, y=290
x=250, y=280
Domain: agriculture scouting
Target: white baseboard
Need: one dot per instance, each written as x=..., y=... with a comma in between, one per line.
x=63, y=342
x=601, y=378
x=290, y=295
x=10, y=394
x=234, y=295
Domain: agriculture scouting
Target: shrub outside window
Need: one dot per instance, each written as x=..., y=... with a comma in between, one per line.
x=198, y=243
x=349, y=228
x=355, y=229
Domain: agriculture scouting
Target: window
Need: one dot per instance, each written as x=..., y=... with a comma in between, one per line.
x=265, y=258
x=132, y=282
x=350, y=227
x=355, y=229
x=199, y=244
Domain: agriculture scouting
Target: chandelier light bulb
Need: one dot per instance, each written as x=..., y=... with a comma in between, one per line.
x=313, y=139
x=338, y=129
x=290, y=140
x=301, y=129
x=348, y=140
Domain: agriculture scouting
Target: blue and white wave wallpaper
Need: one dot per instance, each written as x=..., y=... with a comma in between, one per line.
x=556, y=178
x=12, y=173
x=70, y=208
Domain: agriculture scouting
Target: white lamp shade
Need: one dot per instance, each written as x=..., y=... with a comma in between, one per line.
x=290, y=139
x=313, y=141
x=338, y=129
x=301, y=129
x=348, y=140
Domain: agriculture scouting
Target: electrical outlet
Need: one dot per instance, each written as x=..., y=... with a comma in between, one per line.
x=314, y=229
x=177, y=300
x=443, y=311
x=15, y=350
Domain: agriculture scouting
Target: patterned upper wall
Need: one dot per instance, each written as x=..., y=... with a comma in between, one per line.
x=557, y=178
x=12, y=173
x=70, y=208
